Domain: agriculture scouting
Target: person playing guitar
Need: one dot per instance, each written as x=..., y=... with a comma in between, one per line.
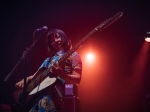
x=50, y=99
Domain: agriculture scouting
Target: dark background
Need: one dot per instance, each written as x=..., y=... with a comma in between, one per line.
x=114, y=83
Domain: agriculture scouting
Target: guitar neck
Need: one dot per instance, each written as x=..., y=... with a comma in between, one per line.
x=103, y=25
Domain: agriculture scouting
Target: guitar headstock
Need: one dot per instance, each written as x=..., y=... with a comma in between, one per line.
x=109, y=21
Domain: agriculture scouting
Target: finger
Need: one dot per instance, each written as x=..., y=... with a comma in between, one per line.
x=57, y=65
x=19, y=85
x=51, y=70
x=52, y=67
x=16, y=85
x=22, y=85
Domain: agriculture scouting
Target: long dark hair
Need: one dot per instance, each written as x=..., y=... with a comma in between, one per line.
x=66, y=43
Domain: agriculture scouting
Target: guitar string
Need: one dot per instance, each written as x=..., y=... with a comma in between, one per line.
x=39, y=78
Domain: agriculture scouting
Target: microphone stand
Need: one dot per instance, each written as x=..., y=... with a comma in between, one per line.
x=25, y=61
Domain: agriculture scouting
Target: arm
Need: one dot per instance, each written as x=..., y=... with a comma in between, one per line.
x=73, y=77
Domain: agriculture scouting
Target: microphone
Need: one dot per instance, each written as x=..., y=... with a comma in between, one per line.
x=44, y=29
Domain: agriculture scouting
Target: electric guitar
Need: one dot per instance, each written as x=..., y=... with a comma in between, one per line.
x=42, y=79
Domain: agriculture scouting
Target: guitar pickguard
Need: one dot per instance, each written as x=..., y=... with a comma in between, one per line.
x=44, y=84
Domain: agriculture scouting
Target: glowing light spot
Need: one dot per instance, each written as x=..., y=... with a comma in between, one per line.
x=147, y=39
x=90, y=57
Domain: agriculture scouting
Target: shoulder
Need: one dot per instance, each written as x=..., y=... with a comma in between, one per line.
x=46, y=62
x=76, y=60
x=76, y=57
x=75, y=54
x=47, y=59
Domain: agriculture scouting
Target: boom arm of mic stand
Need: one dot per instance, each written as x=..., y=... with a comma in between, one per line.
x=25, y=53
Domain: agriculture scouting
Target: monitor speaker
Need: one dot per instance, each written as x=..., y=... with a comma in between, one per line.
x=71, y=104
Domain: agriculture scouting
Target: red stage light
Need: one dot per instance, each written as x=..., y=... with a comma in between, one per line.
x=90, y=57
x=147, y=39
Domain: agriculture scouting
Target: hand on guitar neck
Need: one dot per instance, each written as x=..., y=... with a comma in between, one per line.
x=70, y=76
x=56, y=69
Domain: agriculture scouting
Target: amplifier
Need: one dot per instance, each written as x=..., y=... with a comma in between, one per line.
x=71, y=104
x=71, y=89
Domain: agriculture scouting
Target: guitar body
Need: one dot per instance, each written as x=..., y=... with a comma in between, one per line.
x=30, y=94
